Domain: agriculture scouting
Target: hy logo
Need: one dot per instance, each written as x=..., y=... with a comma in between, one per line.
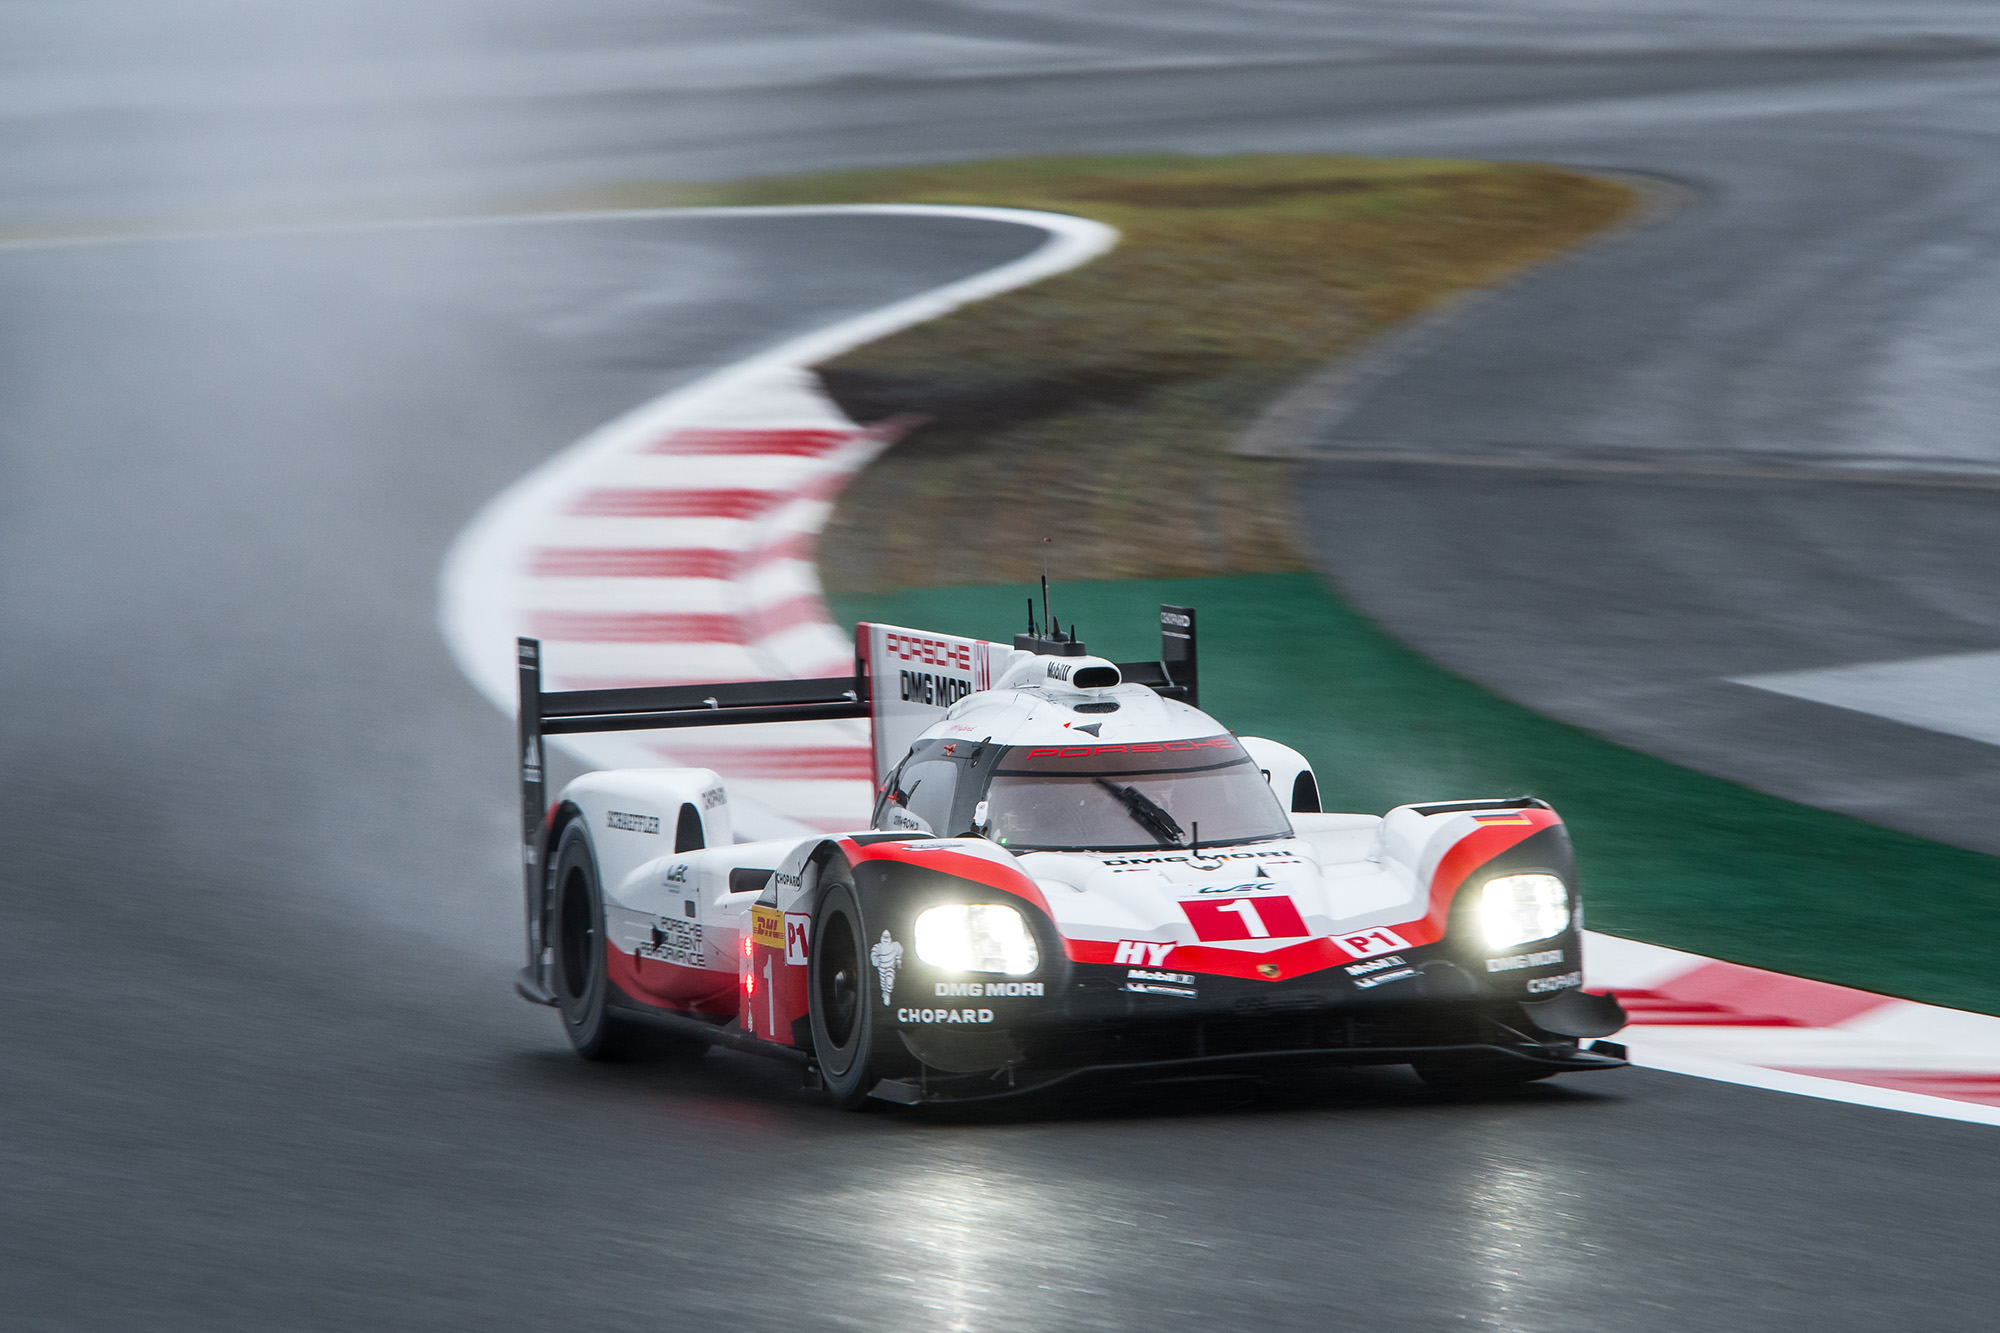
x=1142, y=953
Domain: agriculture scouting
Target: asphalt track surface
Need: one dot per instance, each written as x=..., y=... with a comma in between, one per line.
x=262, y=1070
x=1680, y=411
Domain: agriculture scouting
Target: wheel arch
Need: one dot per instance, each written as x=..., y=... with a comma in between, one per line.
x=1289, y=773
x=561, y=815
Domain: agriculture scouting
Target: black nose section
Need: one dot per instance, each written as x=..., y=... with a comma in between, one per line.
x=1576, y=1013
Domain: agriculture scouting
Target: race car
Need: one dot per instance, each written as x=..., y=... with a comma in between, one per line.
x=1071, y=872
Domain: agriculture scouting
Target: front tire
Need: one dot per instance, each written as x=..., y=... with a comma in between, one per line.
x=582, y=980
x=847, y=1028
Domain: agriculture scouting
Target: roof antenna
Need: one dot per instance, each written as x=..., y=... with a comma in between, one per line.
x=1047, y=542
x=1050, y=638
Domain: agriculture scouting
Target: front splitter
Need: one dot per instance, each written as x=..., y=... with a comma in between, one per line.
x=951, y=1090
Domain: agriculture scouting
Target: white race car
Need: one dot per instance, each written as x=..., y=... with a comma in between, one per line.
x=1071, y=871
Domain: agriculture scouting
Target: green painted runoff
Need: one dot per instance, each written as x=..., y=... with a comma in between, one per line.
x=1666, y=854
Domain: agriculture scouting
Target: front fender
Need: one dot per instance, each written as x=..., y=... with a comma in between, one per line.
x=1537, y=970
x=894, y=892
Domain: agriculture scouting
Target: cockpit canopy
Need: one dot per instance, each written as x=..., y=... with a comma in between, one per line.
x=1111, y=797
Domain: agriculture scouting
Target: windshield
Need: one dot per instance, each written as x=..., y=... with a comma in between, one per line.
x=1110, y=798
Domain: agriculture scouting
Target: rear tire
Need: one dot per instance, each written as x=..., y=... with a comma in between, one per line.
x=582, y=980
x=847, y=1026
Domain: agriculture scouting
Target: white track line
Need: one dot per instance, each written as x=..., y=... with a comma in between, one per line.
x=1695, y=1015
x=675, y=544
x=1954, y=693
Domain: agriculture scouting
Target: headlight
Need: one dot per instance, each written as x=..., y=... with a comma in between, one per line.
x=977, y=937
x=1515, y=909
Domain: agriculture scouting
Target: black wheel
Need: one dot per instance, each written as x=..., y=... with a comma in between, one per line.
x=847, y=1008
x=1473, y=1076
x=576, y=932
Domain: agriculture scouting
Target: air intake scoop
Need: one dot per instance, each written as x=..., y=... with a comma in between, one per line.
x=1083, y=673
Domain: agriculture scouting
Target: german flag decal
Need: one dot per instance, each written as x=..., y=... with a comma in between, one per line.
x=1504, y=817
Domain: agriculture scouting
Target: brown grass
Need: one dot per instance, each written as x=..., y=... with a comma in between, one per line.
x=1097, y=407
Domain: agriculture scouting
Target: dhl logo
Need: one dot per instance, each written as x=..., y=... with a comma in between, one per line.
x=767, y=926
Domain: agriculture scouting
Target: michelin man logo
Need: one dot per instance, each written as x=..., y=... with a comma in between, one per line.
x=887, y=957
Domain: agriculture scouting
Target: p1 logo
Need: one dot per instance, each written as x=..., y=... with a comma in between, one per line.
x=1369, y=943
x=798, y=930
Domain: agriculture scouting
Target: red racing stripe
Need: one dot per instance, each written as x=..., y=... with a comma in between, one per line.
x=637, y=627
x=763, y=443
x=672, y=502
x=1294, y=960
x=1650, y=1008
x=634, y=562
x=1983, y=1089
x=1716, y=994
x=800, y=762
x=993, y=874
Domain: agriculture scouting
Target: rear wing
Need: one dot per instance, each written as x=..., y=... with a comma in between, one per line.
x=903, y=681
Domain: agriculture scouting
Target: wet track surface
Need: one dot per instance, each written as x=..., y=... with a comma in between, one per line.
x=1675, y=408
x=263, y=1071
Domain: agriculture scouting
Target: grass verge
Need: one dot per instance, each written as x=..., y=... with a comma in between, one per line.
x=1098, y=405
x=1667, y=855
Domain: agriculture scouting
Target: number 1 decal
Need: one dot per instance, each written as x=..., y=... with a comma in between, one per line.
x=1246, y=909
x=1221, y=920
x=771, y=992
